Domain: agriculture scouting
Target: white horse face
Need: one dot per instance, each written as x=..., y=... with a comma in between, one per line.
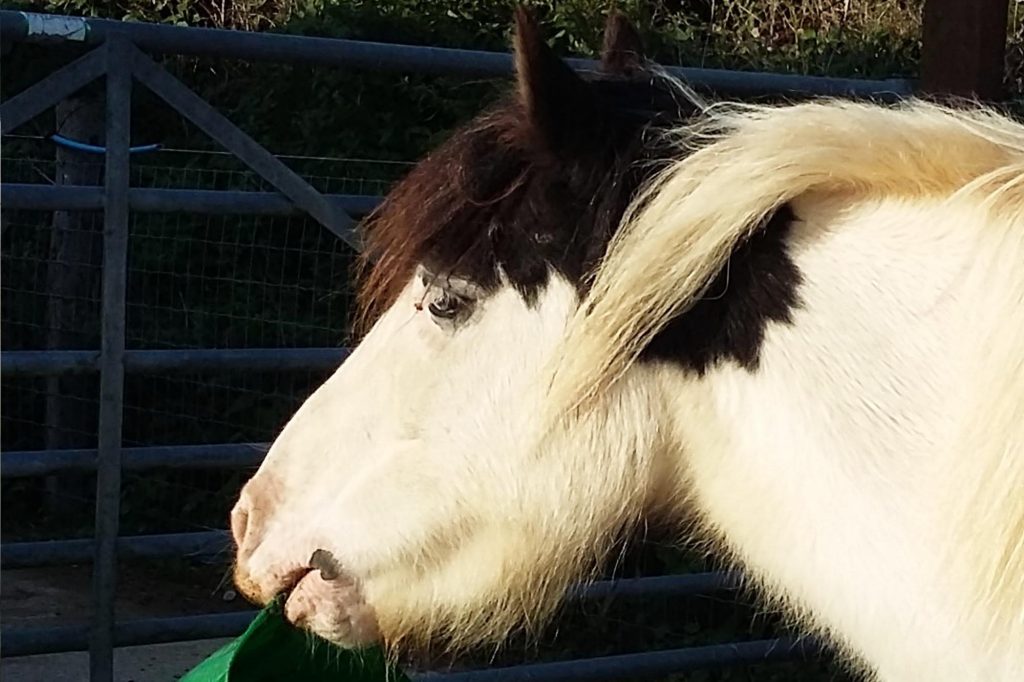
x=421, y=467
x=411, y=465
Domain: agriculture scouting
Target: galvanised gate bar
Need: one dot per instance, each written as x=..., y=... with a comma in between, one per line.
x=120, y=52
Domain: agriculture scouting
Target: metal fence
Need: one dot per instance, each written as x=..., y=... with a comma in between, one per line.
x=135, y=374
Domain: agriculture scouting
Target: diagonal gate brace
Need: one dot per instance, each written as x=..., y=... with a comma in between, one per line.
x=58, y=86
x=251, y=153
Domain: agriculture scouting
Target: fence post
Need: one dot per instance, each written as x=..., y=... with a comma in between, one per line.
x=112, y=343
x=963, y=47
x=72, y=314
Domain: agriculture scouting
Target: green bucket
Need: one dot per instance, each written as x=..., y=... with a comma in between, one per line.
x=272, y=650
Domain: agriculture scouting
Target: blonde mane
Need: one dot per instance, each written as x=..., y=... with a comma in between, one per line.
x=745, y=162
x=737, y=166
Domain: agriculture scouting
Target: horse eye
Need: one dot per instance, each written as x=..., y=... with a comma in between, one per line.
x=444, y=307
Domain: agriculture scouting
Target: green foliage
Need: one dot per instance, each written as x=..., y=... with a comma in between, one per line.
x=250, y=15
x=325, y=111
x=304, y=110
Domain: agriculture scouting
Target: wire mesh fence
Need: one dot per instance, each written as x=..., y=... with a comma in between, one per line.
x=195, y=281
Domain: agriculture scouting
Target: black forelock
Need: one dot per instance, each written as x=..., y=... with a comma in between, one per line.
x=496, y=198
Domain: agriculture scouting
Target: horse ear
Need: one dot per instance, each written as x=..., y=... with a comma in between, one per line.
x=623, y=52
x=560, y=106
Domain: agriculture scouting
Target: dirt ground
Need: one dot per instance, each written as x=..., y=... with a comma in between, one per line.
x=60, y=595
x=153, y=663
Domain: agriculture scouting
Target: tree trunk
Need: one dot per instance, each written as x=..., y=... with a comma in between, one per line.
x=963, y=47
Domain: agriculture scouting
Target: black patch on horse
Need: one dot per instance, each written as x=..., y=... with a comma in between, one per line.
x=758, y=286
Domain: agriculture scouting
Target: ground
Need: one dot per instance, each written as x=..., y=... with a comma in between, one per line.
x=152, y=663
x=59, y=595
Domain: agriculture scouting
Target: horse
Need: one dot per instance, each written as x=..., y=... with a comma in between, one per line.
x=603, y=302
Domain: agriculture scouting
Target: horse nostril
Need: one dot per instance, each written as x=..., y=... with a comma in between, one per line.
x=239, y=524
x=256, y=505
x=329, y=567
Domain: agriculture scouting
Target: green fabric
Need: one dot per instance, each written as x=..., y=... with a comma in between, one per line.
x=271, y=650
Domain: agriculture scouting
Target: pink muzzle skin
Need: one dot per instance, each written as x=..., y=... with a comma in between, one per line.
x=328, y=600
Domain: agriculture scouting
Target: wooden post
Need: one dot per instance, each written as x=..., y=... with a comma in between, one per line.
x=73, y=307
x=963, y=47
